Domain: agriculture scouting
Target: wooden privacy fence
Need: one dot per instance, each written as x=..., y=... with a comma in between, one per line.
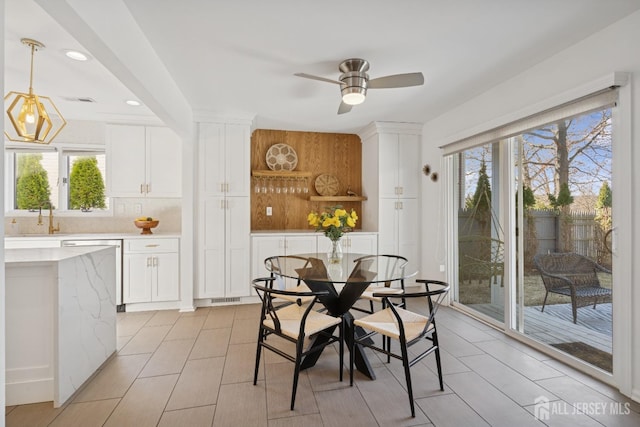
x=543, y=237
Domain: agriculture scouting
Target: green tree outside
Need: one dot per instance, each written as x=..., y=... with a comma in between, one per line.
x=603, y=214
x=86, y=186
x=604, y=196
x=562, y=205
x=481, y=200
x=32, y=183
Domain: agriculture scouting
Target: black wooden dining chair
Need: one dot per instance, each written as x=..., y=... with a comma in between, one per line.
x=388, y=266
x=276, y=265
x=298, y=323
x=407, y=327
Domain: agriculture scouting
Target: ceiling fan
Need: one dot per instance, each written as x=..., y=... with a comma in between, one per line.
x=354, y=82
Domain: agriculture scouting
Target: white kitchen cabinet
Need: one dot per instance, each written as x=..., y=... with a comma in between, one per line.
x=151, y=270
x=399, y=165
x=225, y=159
x=357, y=243
x=269, y=245
x=143, y=162
x=391, y=181
x=398, y=234
x=224, y=248
x=360, y=243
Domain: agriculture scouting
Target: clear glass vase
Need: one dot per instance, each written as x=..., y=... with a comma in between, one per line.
x=335, y=252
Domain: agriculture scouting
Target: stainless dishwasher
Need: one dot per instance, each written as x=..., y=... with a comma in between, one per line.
x=106, y=242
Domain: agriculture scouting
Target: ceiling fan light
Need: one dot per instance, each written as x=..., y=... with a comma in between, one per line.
x=353, y=95
x=353, y=98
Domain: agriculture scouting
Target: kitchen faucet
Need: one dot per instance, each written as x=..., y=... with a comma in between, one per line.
x=52, y=229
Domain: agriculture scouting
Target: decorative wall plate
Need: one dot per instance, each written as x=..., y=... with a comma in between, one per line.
x=282, y=157
x=326, y=185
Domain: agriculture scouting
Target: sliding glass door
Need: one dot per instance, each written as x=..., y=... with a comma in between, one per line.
x=564, y=221
x=480, y=233
x=532, y=235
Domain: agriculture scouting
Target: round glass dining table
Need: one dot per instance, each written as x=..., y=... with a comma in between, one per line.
x=344, y=281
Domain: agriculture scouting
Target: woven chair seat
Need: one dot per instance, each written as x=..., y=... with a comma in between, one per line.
x=291, y=316
x=368, y=293
x=386, y=324
x=300, y=288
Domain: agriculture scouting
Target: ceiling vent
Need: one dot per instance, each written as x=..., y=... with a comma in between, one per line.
x=81, y=99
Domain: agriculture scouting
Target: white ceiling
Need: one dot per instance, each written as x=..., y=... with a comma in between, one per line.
x=237, y=58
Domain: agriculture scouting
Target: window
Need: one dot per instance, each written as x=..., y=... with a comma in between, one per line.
x=71, y=180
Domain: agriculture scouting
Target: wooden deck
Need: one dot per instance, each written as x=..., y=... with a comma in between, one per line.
x=555, y=324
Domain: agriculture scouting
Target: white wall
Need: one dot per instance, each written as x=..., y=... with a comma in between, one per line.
x=2, y=282
x=612, y=49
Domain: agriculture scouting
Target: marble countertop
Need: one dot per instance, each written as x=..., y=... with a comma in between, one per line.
x=90, y=236
x=17, y=256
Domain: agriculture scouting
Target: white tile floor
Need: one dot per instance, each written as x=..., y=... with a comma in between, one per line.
x=196, y=369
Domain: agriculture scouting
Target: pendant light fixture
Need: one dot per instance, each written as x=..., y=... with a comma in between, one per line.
x=34, y=118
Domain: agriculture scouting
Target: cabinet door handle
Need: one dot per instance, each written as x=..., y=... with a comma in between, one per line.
x=148, y=261
x=141, y=188
x=226, y=187
x=155, y=245
x=148, y=188
x=221, y=204
x=222, y=187
x=400, y=205
x=401, y=190
x=155, y=261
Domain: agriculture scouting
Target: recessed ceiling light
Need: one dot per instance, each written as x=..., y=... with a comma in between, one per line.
x=133, y=102
x=76, y=55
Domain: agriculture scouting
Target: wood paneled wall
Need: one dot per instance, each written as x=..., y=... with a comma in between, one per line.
x=319, y=153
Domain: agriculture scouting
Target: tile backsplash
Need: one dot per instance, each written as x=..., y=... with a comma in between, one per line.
x=125, y=210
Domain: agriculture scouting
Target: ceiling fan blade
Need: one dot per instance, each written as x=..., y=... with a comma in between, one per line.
x=344, y=108
x=397, y=80
x=322, y=79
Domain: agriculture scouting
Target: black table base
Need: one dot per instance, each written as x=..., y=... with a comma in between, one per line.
x=338, y=305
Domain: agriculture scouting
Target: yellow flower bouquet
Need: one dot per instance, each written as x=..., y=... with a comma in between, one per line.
x=334, y=221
